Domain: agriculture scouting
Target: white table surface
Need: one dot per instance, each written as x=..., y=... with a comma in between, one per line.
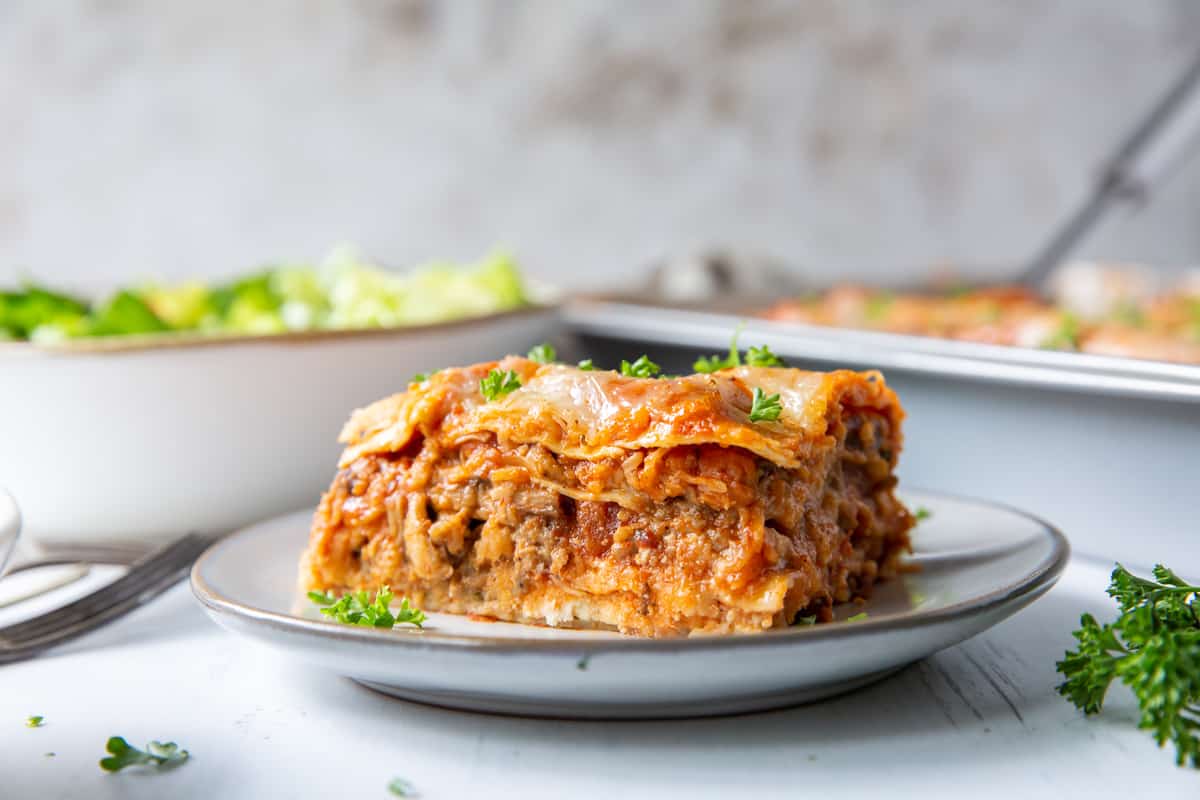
x=982, y=717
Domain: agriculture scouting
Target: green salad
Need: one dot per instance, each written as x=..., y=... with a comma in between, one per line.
x=343, y=292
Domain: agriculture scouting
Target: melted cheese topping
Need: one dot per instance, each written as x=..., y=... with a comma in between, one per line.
x=589, y=414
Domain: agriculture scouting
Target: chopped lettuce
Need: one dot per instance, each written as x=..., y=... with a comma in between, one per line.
x=25, y=310
x=342, y=292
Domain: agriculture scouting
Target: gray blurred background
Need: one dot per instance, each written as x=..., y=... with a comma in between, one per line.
x=853, y=139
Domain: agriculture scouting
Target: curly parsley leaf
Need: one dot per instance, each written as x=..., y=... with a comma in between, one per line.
x=716, y=363
x=1153, y=647
x=543, y=353
x=763, y=357
x=35, y=721
x=755, y=357
x=160, y=755
x=764, y=407
x=586, y=365
x=497, y=384
x=1065, y=336
x=642, y=368
x=359, y=608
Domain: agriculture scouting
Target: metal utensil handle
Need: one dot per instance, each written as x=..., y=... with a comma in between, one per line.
x=1165, y=136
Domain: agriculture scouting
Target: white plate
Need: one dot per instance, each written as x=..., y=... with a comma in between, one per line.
x=978, y=563
x=10, y=527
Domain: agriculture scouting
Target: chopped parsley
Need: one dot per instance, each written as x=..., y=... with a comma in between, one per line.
x=859, y=617
x=877, y=305
x=763, y=357
x=497, y=384
x=642, y=368
x=543, y=353
x=586, y=365
x=755, y=357
x=159, y=755
x=401, y=788
x=1153, y=647
x=359, y=608
x=716, y=363
x=1065, y=336
x=421, y=377
x=764, y=407
x=1127, y=313
x=35, y=721
x=922, y=513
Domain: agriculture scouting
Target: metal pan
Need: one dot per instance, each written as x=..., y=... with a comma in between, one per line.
x=1111, y=455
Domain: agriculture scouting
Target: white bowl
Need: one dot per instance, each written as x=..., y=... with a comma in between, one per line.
x=130, y=441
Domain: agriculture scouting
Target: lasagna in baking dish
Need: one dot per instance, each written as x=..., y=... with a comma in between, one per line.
x=1166, y=328
x=733, y=501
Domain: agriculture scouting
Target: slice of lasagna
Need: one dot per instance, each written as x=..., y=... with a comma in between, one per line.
x=656, y=507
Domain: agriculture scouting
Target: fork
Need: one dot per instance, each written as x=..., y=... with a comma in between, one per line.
x=147, y=578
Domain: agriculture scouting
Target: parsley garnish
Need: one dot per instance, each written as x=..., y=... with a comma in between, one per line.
x=543, y=353
x=859, y=617
x=811, y=619
x=401, y=788
x=642, y=368
x=497, y=384
x=765, y=407
x=160, y=755
x=715, y=363
x=586, y=365
x=1066, y=336
x=877, y=305
x=922, y=513
x=358, y=608
x=421, y=377
x=755, y=357
x=35, y=721
x=1153, y=647
x=763, y=357
x=1128, y=313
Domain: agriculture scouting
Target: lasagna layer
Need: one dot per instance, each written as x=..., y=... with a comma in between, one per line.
x=588, y=499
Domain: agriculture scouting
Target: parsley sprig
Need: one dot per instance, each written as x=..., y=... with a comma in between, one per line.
x=1065, y=336
x=1153, y=647
x=359, y=608
x=642, y=368
x=497, y=384
x=755, y=357
x=763, y=357
x=764, y=407
x=160, y=755
x=543, y=353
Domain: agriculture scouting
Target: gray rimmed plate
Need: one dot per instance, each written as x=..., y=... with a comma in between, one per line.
x=978, y=563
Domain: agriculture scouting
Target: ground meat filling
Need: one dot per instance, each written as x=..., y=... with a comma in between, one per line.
x=656, y=542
